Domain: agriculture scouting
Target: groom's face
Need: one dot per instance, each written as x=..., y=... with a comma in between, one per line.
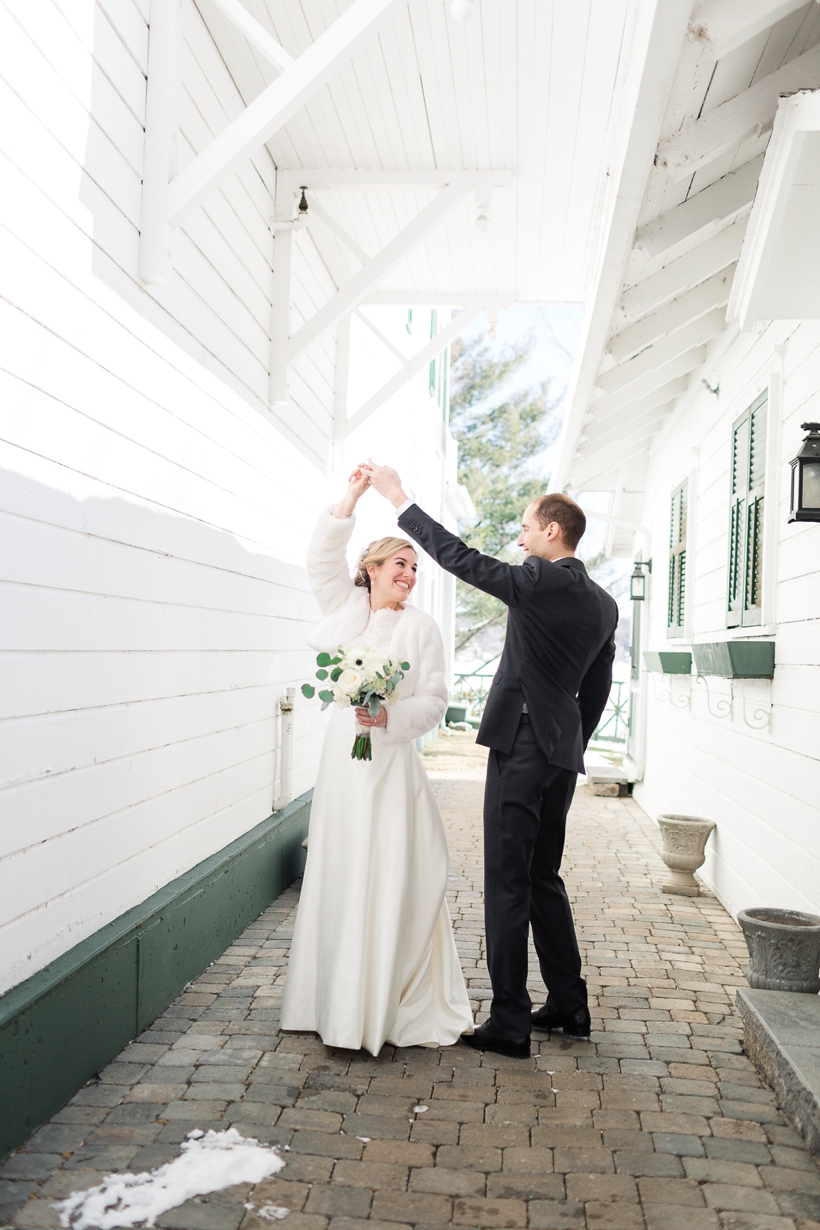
x=543, y=541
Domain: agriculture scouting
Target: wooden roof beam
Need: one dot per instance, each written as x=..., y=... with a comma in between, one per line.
x=613, y=457
x=654, y=358
x=593, y=441
x=691, y=305
x=681, y=365
x=680, y=275
x=750, y=112
x=277, y=104
x=604, y=413
x=364, y=280
x=724, y=25
x=728, y=196
x=255, y=33
x=419, y=361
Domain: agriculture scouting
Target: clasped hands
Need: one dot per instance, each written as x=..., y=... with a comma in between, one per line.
x=381, y=478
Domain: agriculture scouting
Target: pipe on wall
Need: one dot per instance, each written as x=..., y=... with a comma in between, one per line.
x=286, y=750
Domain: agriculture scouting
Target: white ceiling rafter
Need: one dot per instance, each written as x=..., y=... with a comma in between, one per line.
x=681, y=274
x=692, y=304
x=725, y=25
x=417, y=363
x=366, y=278
x=728, y=196
x=751, y=111
x=168, y=201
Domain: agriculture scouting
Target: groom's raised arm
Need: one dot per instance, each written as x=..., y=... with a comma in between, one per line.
x=511, y=583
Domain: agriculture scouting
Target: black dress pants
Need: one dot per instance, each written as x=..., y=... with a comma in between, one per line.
x=525, y=810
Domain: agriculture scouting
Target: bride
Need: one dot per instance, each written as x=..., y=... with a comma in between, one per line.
x=373, y=958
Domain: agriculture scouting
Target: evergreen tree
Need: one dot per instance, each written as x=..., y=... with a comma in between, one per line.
x=500, y=437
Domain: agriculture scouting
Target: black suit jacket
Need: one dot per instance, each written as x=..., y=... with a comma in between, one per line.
x=559, y=647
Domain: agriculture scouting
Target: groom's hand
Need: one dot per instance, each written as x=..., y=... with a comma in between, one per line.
x=385, y=481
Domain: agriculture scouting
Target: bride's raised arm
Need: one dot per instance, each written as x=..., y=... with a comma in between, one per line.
x=327, y=565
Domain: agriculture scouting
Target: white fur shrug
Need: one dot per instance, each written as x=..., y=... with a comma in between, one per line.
x=346, y=608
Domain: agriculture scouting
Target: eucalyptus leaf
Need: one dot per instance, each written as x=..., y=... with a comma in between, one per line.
x=308, y=690
x=405, y=666
x=327, y=697
x=321, y=674
x=323, y=659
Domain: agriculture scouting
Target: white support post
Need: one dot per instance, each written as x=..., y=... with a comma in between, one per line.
x=159, y=158
x=354, y=291
x=278, y=103
x=340, y=392
x=281, y=295
x=419, y=361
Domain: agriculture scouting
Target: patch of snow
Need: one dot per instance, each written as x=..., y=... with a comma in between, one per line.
x=272, y=1212
x=208, y=1162
x=419, y=1110
x=366, y=1139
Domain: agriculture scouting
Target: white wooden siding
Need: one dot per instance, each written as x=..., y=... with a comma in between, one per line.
x=760, y=786
x=154, y=519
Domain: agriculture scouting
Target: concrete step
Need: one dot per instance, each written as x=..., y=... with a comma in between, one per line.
x=782, y=1037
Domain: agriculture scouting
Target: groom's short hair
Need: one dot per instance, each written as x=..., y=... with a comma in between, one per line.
x=568, y=514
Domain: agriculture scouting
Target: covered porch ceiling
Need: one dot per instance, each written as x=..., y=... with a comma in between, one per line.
x=531, y=90
x=656, y=321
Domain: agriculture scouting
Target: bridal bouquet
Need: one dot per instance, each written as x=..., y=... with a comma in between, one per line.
x=359, y=677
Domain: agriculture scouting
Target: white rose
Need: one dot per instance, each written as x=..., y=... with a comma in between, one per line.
x=349, y=682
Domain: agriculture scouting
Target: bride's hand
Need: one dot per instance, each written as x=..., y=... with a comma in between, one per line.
x=364, y=719
x=356, y=487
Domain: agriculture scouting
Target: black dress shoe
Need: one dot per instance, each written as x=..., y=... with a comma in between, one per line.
x=574, y=1024
x=488, y=1038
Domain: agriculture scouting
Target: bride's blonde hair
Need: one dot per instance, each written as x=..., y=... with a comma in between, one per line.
x=376, y=553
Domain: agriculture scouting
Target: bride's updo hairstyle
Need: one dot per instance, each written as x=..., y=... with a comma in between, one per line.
x=376, y=553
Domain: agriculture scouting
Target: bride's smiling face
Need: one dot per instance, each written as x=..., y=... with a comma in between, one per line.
x=393, y=581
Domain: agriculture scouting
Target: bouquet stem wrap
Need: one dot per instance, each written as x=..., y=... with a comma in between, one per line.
x=362, y=745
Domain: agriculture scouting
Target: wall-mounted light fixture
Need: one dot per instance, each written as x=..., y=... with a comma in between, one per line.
x=637, y=582
x=805, y=494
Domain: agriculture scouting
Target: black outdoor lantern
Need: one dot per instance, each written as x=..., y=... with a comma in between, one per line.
x=637, y=582
x=805, y=497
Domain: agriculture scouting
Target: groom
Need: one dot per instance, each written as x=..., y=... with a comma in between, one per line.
x=545, y=701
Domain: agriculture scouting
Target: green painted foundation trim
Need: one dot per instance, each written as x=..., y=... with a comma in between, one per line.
x=68, y=1020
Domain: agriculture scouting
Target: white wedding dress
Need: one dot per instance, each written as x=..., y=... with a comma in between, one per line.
x=373, y=958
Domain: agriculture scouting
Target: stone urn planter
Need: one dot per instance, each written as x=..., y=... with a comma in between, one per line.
x=684, y=843
x=784, y=949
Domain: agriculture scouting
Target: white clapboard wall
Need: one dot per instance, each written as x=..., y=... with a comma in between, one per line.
x=154, y=514
x=760, y=786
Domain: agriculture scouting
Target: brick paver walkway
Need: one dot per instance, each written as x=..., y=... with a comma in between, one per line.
x=660, y=1122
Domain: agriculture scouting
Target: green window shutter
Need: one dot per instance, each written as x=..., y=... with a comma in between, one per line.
x=676, y=609
x=748, y=472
